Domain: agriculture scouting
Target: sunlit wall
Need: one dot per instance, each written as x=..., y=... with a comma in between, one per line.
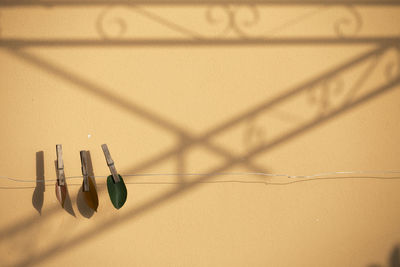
x=221, y=90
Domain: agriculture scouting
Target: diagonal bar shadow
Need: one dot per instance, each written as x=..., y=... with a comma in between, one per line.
x=6, y=232
x=271, y=103
x=121, y=102
x=168, y=196
x=184, y=145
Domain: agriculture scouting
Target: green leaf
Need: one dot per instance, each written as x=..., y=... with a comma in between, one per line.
x=117, y=191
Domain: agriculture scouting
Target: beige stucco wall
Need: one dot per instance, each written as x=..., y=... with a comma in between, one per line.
x=157, y=84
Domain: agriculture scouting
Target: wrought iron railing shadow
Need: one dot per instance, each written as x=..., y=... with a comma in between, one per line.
x=320, y=92
x=235, y=23
x=325, y=108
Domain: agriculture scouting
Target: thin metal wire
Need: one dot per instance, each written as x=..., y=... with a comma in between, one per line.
x=233, y=181
x=215, y=174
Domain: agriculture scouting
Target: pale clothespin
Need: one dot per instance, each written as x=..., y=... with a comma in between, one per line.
x=115, y=183
x=60, y=166
x=61, y=187
x=110, y=163
x=84, y=168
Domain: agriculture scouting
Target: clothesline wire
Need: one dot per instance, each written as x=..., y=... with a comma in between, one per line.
x=230, y=181
x=382, y=172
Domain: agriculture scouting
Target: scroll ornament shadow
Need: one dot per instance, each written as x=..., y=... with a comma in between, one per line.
x=235, y=23
x=228, y=21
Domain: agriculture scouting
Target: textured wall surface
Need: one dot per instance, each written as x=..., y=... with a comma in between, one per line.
x=293, y=88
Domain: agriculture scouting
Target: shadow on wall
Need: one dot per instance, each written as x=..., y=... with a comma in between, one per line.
x=326, y=109
x=325, y=112
x=235, y=30
x=394, y=259
x=38, y=193
x=188, y=2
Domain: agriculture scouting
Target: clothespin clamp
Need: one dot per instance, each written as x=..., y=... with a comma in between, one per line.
x=110, y=163
x=84, y=168
x=60, y=166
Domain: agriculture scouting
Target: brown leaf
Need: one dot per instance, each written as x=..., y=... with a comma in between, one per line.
x=90, y=196
x=61, y=192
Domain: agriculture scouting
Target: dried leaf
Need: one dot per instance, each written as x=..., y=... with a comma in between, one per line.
x=90, y=196
x=117, y=191
x=61, y=192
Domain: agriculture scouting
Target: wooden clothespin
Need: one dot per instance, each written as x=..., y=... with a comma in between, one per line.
x=60, y=166
x=84, y=168
x=110, y=163
x=115, y=183
x=61, y=187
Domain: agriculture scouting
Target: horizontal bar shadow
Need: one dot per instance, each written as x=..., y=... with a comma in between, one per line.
x=160, y=42
x=52, y=3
